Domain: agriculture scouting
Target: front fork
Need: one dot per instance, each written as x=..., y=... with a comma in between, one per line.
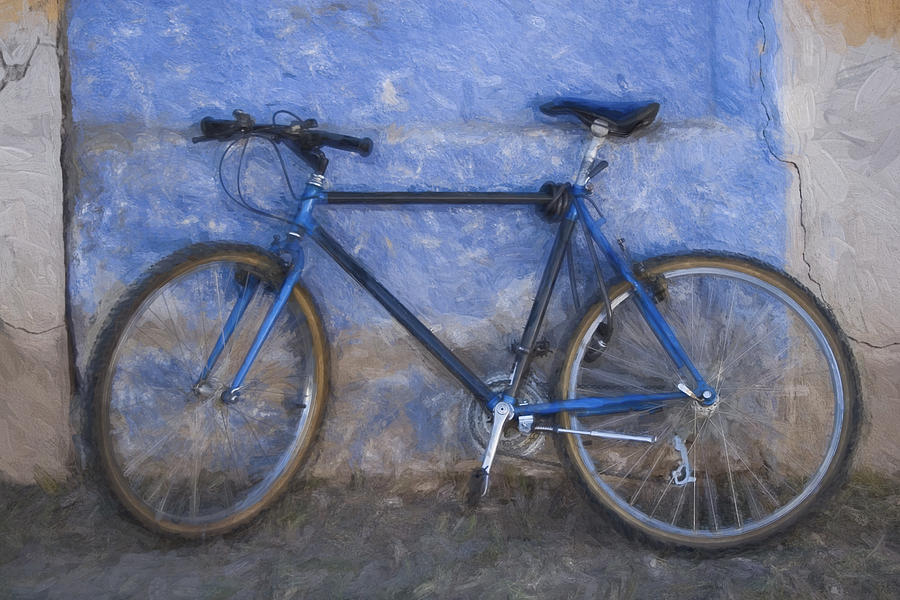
x=291, y=247
x=232, y=394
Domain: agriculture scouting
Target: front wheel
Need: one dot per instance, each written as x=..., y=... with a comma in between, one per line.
x=179, y=457
x=777, y=437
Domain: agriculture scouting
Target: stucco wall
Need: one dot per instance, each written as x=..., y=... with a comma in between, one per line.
x=842, y=119
x=35, y=438
x=449, y=96
x=448, y=91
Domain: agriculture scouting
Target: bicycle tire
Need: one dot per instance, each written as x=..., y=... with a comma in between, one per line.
x=777, y=440
x=186, y=463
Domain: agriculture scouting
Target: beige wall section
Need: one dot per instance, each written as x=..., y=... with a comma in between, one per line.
x=35, y=438
x=842, y=118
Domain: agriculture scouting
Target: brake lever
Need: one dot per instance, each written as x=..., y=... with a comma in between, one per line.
x=244, y=120
x=307, y=124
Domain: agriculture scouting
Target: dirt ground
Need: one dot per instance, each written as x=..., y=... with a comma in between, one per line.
x=383, y=539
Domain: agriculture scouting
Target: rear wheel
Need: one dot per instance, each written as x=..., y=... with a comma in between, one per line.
x=778, y=435
x=179, y=458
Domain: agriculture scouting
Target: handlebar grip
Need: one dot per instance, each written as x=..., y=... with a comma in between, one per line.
x=224, y=128
x=219, y=128
x=362, y=146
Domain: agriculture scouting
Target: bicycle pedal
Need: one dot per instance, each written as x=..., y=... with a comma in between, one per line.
x=477, y=487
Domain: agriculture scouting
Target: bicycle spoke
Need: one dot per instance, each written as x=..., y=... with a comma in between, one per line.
x=174, y=328
x=199, y=450
x=232, y=453
x=205, y=345
x=222, y=318
x=762, y=354
x=251, y=429
x=161, y=345
x=662, y=450
x=737, y=512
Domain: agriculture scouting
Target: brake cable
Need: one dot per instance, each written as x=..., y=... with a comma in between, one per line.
x=239, y=198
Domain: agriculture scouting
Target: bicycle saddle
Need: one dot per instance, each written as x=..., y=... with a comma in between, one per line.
x=622, y=118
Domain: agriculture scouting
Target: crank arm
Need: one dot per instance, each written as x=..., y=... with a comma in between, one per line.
x=481, y=478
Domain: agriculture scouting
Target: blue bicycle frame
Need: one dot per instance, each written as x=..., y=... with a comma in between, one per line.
x=305, y=224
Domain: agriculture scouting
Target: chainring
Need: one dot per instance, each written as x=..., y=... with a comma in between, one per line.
x=513, y=442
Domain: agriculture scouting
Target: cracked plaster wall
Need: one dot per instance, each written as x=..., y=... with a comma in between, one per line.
x=35, y=438
x=840, y=88
x=842, y=123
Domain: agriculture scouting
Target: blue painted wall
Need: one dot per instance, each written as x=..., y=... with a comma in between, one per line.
x=449, y=92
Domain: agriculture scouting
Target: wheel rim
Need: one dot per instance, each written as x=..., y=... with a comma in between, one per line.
x=185, y=460
x=788, y=402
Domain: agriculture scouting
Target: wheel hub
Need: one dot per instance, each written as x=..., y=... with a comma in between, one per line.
x=706, y=410
x=207, y=390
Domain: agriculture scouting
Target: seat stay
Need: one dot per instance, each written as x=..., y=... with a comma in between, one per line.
x=655, y=320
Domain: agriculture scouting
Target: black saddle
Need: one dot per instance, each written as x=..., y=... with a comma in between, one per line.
x=622, y=118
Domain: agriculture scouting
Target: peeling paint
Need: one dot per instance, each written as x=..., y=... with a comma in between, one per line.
x=390, y=98
x=14, y=65
x=860, y=19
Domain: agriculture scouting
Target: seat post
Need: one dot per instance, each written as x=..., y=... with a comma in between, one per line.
x=599, y=131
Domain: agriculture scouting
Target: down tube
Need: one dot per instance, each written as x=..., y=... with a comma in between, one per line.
x=402, y=314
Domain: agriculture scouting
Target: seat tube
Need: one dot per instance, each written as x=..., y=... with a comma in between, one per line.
x=525, y=348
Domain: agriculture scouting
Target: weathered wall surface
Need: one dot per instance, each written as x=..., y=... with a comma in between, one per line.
x=842, y=121
x=448, y=91
x=35, y=438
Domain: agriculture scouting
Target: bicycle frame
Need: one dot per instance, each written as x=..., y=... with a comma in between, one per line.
x=306, y=225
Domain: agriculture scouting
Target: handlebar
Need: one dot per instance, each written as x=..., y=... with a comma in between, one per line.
x=301, y=136
x=362, y=146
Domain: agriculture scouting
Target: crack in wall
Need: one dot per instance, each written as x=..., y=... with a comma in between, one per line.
x=871, y=345
x=796, y=167
x=765, y=134
x=6, y=324
x=78, y=403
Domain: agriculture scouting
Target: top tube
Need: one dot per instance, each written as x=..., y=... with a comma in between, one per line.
x=540, y=198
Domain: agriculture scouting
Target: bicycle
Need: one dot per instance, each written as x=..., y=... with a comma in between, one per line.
x=705, y=400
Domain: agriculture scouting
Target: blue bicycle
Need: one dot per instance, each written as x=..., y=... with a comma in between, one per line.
x=705, y=400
